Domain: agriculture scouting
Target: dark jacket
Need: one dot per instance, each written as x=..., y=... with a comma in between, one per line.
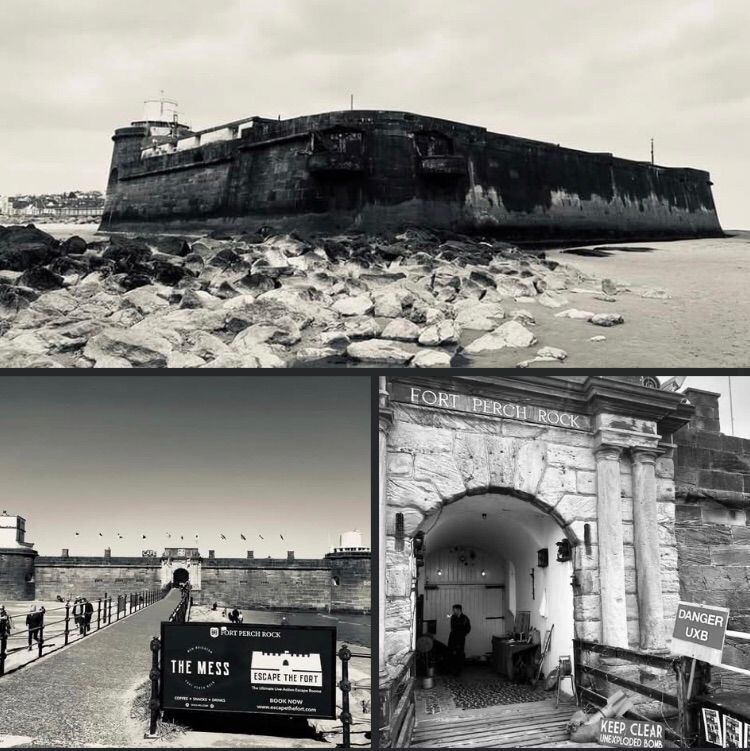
x=460, y=627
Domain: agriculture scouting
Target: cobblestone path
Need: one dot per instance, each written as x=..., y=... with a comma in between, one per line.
x=80, y=696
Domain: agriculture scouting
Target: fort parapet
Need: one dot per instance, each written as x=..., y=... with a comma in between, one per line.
x=380, y=170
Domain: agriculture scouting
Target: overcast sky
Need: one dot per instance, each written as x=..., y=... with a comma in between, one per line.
x=602, y=75
x=186, y=455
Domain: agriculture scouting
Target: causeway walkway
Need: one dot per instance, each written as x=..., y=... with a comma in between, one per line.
x=81, y=696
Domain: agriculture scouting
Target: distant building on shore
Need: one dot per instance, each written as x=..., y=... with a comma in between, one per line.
x=62, y=207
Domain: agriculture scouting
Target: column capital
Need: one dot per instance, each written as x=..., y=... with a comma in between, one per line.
x=645, y=455
x=608, y=451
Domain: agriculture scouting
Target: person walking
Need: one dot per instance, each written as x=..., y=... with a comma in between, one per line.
x=35, y=624
x=88, y=612
x=78, y=614
x=460, y=628
x=6, y=623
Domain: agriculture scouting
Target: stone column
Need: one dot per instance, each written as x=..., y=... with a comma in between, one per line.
x=646, y=544
x=385, y=419
x=611, y=553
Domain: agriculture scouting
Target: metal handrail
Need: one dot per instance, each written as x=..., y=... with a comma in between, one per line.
x=103, y=612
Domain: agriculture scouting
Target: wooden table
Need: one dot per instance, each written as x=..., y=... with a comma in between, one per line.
x=505, y=650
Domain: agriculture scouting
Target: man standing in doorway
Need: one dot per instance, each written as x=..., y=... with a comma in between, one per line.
x=460, y=627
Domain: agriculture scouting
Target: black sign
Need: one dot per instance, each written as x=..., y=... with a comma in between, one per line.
x=242, y=667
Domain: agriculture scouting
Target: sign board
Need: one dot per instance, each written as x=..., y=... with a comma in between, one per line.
x=699, y=631
x=244, y=667
x=618, y=731
x=480, y=405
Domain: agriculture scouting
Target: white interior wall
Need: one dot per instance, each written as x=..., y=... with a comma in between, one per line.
x=507, y=532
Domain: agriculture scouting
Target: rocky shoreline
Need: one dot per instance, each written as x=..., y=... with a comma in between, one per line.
x=417, y=298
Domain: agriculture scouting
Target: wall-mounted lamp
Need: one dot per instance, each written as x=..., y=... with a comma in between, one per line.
x=440, y=572
x=564, y=552
x=484, y=573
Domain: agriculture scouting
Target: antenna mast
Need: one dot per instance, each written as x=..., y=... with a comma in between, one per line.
x=652, y=151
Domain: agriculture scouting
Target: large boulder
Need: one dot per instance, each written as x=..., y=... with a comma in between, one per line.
x=511, y=334
x=13, y=299
x=354, y=306
x=380, y=351
x=40, y=278
x=401, y=330
x=142, y=349
x=127, y=254
x=443, y=332
x=73, y=246
x=23, y=248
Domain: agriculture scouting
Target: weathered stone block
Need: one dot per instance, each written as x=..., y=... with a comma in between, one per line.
x=442, y=472
x=739, y=555
x=575, y=457
x=586, y=607
x=420, y=495
x=573, y=508
x=398, y=613
x=665, y=490
x=470, y=451
x=420, y=439
x=412, y=519
x=556, y=481
x=398, y=581
x=665, y=468
x=400, y=463
x=588, y=630
x=586, y=482
x=530, y=463
x=501, y=457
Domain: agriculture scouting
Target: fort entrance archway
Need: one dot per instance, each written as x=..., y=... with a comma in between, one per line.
x=548, y=459
x=180, y=576
x=180, y=565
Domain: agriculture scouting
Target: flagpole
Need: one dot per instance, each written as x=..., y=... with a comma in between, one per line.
x=731, y=404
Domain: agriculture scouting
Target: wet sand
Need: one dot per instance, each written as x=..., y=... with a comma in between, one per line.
x=705, y=324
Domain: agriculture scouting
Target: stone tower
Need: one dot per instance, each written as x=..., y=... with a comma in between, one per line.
x=16, y=560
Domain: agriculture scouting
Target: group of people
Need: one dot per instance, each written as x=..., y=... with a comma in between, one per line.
x=83, y=610
x=34, y=624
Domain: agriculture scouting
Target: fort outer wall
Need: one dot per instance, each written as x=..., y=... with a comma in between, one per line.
x=712, y=525
x=302, y=584
x=17, y=574
x=401, y=169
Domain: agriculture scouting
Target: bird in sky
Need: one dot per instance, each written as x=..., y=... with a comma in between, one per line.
x=169, y=536
x=261, y=537
x=281, y=536
x=101, y=535
x=243, y=536
x=223, y=538
x=144, y=537
x=76, y=534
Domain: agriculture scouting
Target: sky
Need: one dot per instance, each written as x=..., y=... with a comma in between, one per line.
x=599, y=75
x=740, y=402
x=186, y=455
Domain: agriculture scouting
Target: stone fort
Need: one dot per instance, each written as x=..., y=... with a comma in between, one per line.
x=376, y=170
x=339, y=581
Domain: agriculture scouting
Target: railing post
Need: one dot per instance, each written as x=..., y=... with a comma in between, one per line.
x=67, y=621
x=154, y=675
x=345, y=685
x=104, y=614
x=41, y=638
x=3, y=651
x=98, y=613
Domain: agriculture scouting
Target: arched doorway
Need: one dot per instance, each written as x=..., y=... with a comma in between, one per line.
x=180, y=576
x=497, y=555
